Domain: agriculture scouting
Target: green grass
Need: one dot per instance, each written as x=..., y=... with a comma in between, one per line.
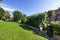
x=12, y=31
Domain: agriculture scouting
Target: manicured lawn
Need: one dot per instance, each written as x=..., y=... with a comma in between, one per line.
x=12, y=31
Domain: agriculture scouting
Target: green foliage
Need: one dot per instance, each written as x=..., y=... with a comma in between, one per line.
x=1, y=0
x=17, y=15
x=50, y=14
x=35, y=20
x=2, y=13
x=44, y=26
x=12, y=31
x=56, y=27
x=23, y=18
x=7, y=15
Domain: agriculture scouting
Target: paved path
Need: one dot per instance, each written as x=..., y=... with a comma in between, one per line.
x=57, y=36
x=41, y=33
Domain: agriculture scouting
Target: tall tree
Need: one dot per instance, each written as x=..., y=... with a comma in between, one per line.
x=7, y=15
x=23, y=18
x=50, y=15
x=2, y=13
x=17, y=15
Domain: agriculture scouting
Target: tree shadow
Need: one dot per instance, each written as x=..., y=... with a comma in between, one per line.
x=25, y=27
x=35, y=31
x=40, y=33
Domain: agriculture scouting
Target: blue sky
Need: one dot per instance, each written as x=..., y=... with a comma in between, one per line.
x=30, y=7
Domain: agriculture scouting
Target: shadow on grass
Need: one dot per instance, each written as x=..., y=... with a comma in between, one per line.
x=30, y=29
x=25, y=27
x=35, y=31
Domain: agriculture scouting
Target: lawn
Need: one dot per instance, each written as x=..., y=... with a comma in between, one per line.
x=12, y=31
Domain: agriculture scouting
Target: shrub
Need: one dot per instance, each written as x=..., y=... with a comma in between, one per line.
x=56, y=28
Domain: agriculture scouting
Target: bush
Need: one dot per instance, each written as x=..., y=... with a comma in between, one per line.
x=7, y=20
x=56, y=28
x=44, y=26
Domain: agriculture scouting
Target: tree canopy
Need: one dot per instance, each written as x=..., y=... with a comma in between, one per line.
x=1, y=0
x=7, y=15
x=50, y=14
x=2, y=13
x=17, y=15
x=36, y=19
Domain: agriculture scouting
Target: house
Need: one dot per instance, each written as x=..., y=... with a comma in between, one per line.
x=57, y=15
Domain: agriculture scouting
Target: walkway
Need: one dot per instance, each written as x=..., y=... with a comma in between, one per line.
x=36, y=30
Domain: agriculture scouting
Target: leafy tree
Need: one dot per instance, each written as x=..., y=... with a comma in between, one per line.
x=23, y=18
x=50, y=15
x=1, y=0
x=7, y=15
x=17, y=15
x=36, y=19
x=2, y=13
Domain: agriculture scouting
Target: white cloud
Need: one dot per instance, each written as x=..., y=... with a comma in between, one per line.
x=7, y=7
